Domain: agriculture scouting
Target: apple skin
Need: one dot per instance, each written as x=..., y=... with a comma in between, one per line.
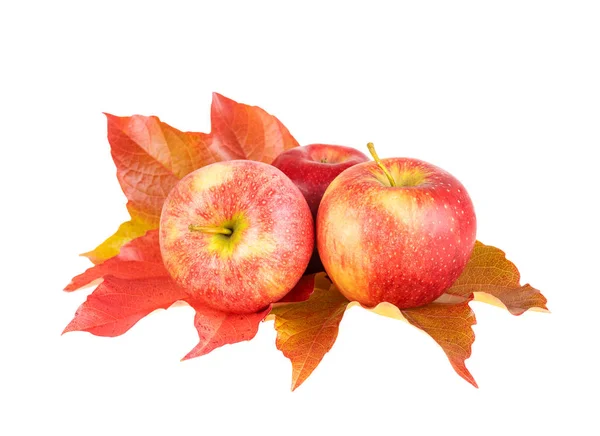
x=271, y=238
x=403, y=244
x=312, y=168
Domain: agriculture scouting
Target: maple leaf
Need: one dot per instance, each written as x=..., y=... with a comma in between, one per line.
x=117, y=304
x=248, y=132
x=151, y=157
x=488, y=271
x=216, y=328
x=449, y=324
x=307, y=330
x=448, y=320
x=139, y=258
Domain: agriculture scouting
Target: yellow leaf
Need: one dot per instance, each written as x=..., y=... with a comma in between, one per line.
x=127, y=231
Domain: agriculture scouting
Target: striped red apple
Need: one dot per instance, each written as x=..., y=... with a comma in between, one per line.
x=237, y=235
x=395, y=230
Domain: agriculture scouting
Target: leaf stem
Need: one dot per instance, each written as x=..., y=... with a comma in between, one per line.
x=208, y=229
x=371, y=148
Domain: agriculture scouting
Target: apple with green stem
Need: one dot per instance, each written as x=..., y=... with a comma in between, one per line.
x=312, y=168
x=396, y=230
x=237, y=235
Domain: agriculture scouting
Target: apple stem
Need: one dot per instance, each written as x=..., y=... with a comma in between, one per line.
x=208, y=229
x=371, y=148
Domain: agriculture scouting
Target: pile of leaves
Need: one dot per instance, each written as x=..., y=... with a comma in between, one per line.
x=151, y=157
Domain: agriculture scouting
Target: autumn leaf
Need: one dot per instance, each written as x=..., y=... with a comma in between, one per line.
x=216, y=328
x=489, y=271
x=138, y=259
x=126, y=232
x=117, y=304
x=448, y=320
x=302, y=291
x=449, y=324
x=307, y=330
x=248, y=132
x=152, y=156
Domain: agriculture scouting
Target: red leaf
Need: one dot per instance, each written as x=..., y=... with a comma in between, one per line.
x=450, y=326
x=216, y=328
x=117, y=304
x=138, y=259
x=302, y=291
x=248, y=132
x=143, y=249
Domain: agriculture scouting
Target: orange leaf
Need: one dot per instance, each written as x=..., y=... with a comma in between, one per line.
x=138, y=259
x=216, y=328
x=307, y=330
x=152, y=156
x=449, y=324
x=117, y=304
x=248, y=132
x=489, y=271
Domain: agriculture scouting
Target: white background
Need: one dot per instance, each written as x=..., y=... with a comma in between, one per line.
x=504, y=95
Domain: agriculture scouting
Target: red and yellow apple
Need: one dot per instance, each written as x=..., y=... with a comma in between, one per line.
x=237, y=235
x=395, y=230
x=312, y=168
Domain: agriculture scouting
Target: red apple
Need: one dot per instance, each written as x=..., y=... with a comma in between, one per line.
x=312, y=168
x=398, y=230
x=237, y=235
